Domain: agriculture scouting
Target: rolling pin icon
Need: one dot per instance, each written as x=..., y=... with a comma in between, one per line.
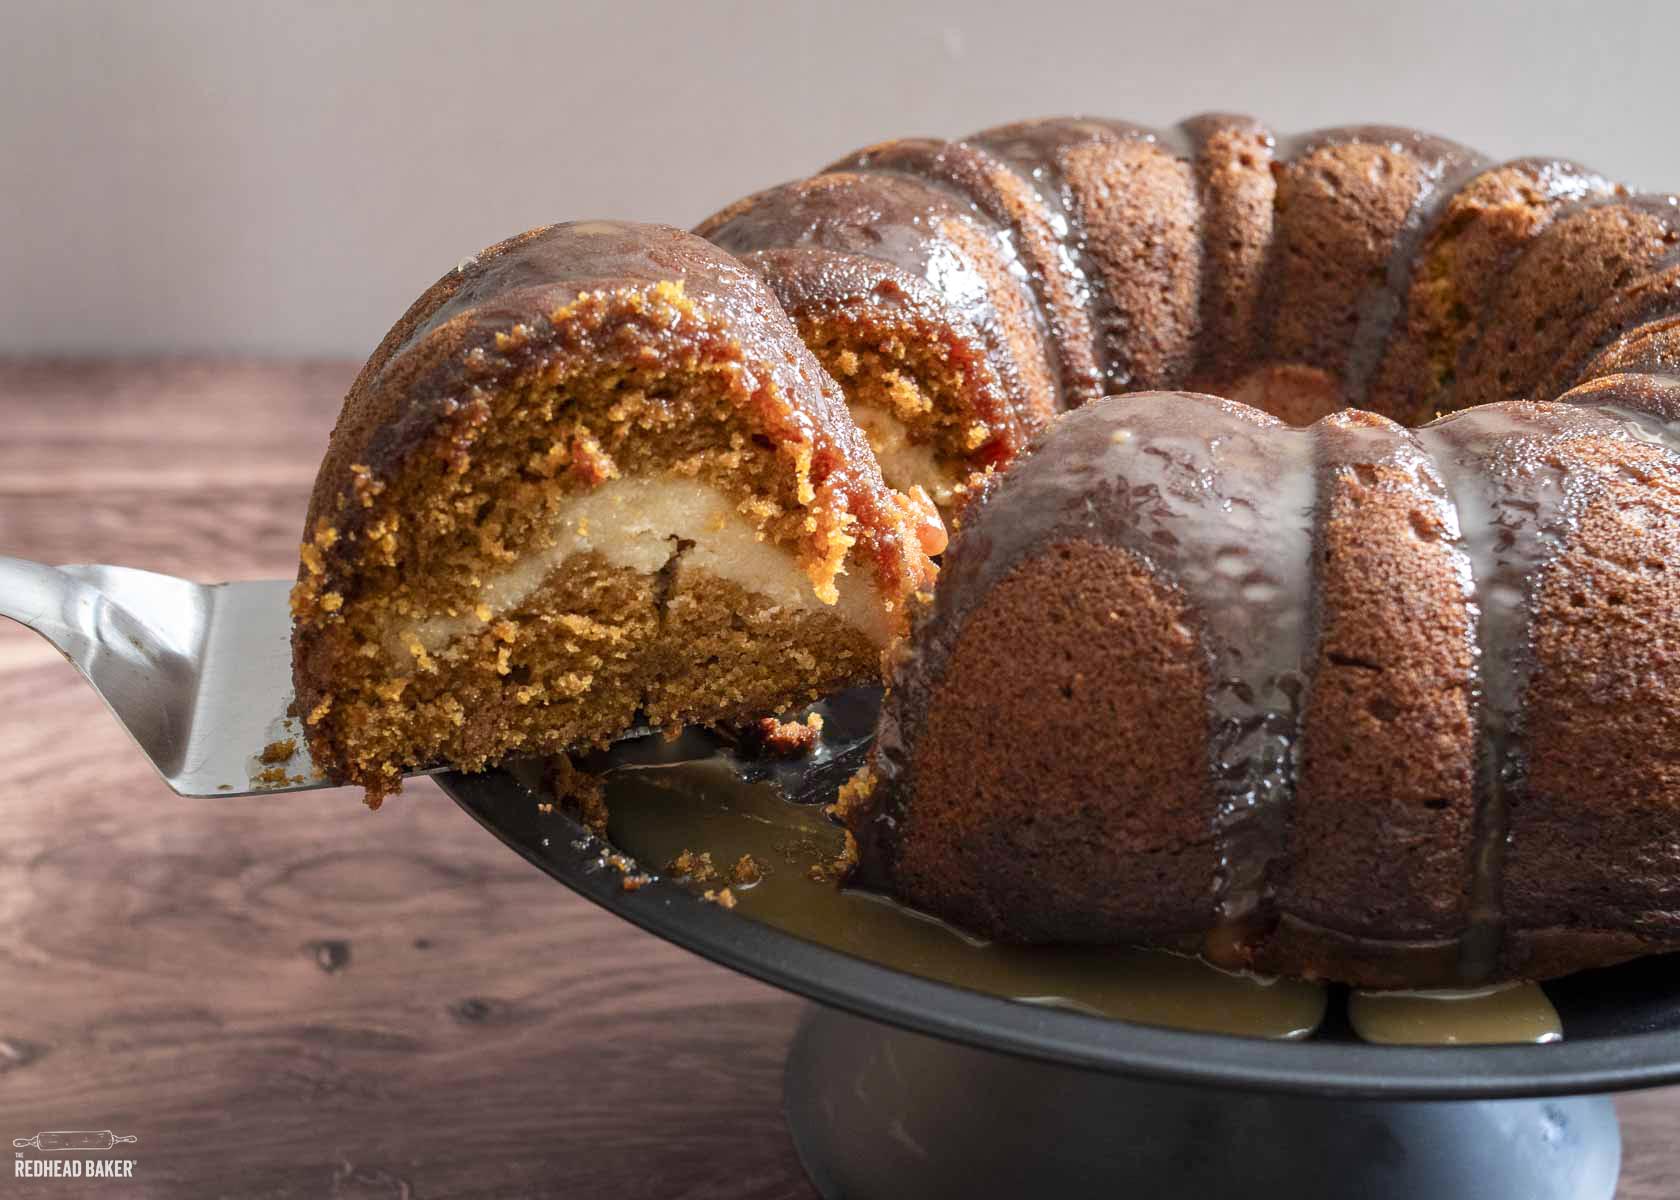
x=73, y=1139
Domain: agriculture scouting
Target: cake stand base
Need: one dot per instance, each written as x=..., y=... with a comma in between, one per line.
x=878, y=1112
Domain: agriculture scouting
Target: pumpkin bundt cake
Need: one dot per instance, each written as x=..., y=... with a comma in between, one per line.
x=1335, y=693
x=592, y=477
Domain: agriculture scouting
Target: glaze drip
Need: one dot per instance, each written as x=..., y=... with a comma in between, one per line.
x=1518, y=502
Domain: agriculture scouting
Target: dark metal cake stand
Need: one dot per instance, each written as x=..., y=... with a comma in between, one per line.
x=900, y=1086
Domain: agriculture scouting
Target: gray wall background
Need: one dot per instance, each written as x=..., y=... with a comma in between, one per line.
x=283, y=179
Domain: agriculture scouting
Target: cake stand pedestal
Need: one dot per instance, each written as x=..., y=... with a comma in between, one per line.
x=877, y=1111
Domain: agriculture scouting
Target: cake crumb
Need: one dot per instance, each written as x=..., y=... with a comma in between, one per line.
x=272, y=777
x=696, y=868
x=724, y=897
x=277, y=752
x=853, y=795
x=577, y=792
x=850, y=805
x=786, y=739
x=839, y=867
x=747, y=871
x=633, y=878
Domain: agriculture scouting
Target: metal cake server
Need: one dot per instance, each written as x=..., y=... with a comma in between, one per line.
x=199, y=674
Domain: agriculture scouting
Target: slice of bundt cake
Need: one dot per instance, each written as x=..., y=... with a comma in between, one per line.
x=1394, y=707
x=591, y=476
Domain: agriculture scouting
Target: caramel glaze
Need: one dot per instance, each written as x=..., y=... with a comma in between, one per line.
x=1353, y=701
x=1013, y=203
x=1518, y=1012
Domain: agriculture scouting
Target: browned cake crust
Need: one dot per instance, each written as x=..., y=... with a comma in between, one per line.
x=1012, y=830
x=562, y=364
x=1385, y=706
x=1380, y=837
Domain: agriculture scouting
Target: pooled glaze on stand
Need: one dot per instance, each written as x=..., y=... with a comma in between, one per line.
x=657, y=813
x=705, y=804
x=1516, y=1012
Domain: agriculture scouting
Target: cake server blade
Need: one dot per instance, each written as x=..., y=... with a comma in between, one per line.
x=199, y=674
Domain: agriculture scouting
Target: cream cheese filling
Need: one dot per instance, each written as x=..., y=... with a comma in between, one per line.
x=637, y=523
x=905, y=463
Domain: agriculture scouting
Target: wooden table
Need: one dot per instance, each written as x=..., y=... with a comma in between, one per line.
x=297, y=997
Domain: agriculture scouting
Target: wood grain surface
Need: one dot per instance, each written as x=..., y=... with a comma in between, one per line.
x=294, y=996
